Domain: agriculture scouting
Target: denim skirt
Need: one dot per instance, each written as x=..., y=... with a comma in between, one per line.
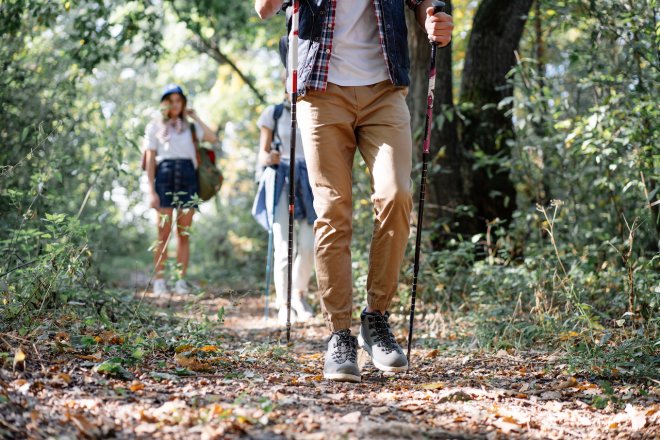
x=176, y=183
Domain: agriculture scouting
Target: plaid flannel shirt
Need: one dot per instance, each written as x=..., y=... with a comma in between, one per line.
x=318, y=78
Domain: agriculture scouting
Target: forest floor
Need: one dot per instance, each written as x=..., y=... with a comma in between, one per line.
x=250, y=385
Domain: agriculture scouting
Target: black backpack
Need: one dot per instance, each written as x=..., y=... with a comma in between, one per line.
x=276, y=142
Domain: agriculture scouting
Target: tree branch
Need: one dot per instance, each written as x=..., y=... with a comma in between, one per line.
x=210, y=48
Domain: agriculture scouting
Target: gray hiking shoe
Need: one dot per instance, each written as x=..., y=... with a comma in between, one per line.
x=376, y=338
x=341, y=358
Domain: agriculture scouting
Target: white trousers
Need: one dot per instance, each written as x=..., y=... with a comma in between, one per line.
x=303, y=250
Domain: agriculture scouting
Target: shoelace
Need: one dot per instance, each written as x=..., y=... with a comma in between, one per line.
x=382, y=334
x=345, y=347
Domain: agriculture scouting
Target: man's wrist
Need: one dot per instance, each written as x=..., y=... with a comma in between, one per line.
x=420, y=12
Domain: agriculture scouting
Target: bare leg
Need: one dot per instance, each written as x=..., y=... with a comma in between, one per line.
x=184, y=218
x=164, y=228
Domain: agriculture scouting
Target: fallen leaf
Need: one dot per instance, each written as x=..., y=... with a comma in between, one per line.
x=568, y=383
x=352, y=417
x=89, y=357
x=433, y=386
x=379, y=410
x=110, y=338
x=192, y=363
x=147, y=417
x=19, y=360
x=432, y=354
x=313, y=356
x=506, y=425
x=458, y=396
x=114, y=369
x=568, y=335
x=182, y=348
x=62, y=379
x=550, y=395
x=86, y=428
x=62, y=336
x=637, y=417
x=136, y=386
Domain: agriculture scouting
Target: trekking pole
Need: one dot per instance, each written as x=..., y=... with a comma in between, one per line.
x=293, y=51
x=437, y=7
x=269, y=265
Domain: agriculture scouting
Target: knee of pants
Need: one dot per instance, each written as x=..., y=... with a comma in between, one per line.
x=334, y=220
x=395, y=198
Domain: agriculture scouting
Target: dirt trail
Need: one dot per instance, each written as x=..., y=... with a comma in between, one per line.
x=252, y=386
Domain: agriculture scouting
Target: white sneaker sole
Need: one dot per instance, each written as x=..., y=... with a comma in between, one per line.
x=342, y=377
x=381, y=367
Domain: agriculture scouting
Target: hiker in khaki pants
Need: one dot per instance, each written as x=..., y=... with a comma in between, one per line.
x=353, y=79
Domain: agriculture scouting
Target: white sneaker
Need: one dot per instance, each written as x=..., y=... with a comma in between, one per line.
x=301, y=306
x=181, y=287
x=281, y=316
x=159, y=286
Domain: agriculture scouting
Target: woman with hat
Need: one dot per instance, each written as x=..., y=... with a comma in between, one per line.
x=171, y=163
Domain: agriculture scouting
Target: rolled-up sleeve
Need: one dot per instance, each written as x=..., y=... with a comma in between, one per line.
x=412, y=4
x=150, y=140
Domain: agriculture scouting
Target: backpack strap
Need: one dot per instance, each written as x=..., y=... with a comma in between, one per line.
x=193, y=131
x=277, y=114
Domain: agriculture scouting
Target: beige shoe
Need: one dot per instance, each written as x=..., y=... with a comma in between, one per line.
x=182, y=287
x=301, y=306
x=281, y=316
x=159, y=287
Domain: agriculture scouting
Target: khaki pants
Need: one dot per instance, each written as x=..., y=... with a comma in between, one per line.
x=374, y=120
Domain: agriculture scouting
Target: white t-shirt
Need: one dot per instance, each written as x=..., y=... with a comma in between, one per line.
x=175, y=145
x=283, y=131
x=356, y=58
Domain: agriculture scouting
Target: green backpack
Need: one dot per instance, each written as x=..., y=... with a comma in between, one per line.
x=209, y=176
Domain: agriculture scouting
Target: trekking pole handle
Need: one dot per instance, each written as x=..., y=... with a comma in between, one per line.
x=438, y=6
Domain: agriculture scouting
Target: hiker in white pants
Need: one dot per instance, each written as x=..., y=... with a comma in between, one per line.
x=303, y=263
x=274, y=151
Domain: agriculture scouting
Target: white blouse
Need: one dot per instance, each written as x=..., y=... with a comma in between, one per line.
x=174, y=145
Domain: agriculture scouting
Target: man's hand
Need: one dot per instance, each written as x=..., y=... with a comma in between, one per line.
x=438, y=26
x=267, y=8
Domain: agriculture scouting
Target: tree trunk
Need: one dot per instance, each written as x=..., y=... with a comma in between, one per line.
x=444, y=185
x=457, y=145
x=483, y=136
